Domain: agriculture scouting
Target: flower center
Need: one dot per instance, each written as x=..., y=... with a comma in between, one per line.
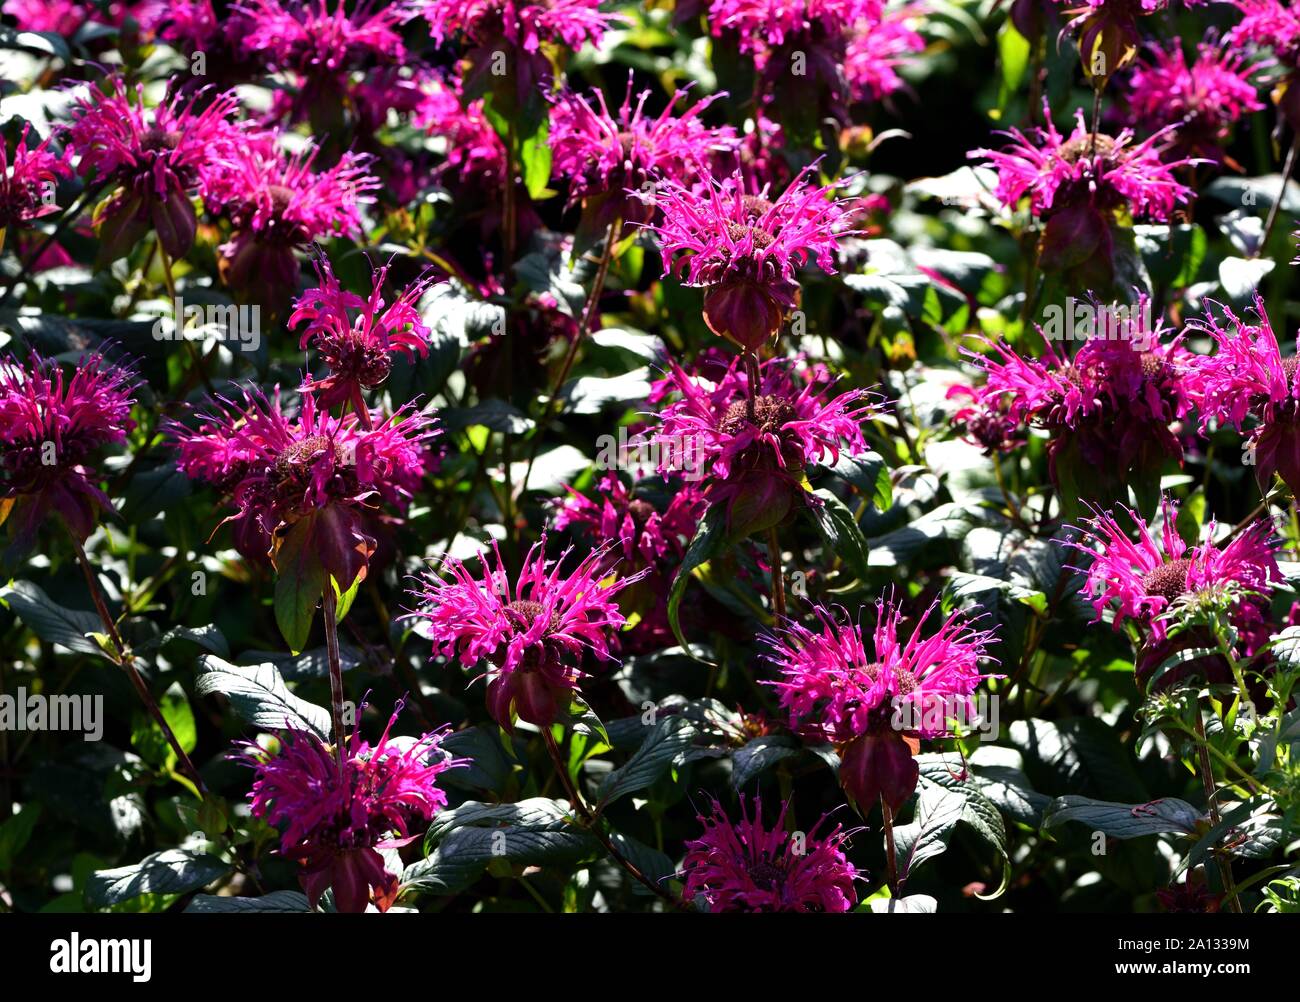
x=766, y=875
x=523, y=614
x=640, y=511
x=760, y=239
x=303, y=453
x=1082, y=148
x=770, y=415
x=1289, y=367
x=1169, y=580
x=755, y=205
x=1153, y=366
x=158, y=139
x=281, y=198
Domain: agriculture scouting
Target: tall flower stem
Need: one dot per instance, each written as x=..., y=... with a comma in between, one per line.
x=584, y=325
x=127, y=661
x=329, y=609
x=778, y=574
x=891, y=852
x=594, y=825
x=1281, y=193
x=1206, y=769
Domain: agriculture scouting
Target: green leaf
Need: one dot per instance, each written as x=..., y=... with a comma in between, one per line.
x=259, y=696
x=710, y=540
x=667, y=739
x=841, y=532
x=656, y=865
x=148, y=738
x=937, y=812
x=70, y=628
x=535, y=155
x=299, y=584
x=758, y=756
x=489, y=764
x=1013, y=61
x=1124, y=821
x=276, y=901
x=15, y=833
x=170, y=872
x=869, y=473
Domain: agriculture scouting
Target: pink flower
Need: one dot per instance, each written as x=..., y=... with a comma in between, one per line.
x=744, y=867
x=278, y=470
x=1141, y=580
x=754, y=461
x=520, y=28
x=308, y=37
x=1077, y=184
x=1201, y=102
x=650, y=536
x=278, y=204
x=876, y=48
x=49, y=429
x=763, y=26
x=875, y=705
x=534, y=634
x=1112, y=403
x=1058, y=173
x=475, y=155
x=358, y=337
x=612, y=155
x=1247, y=377
x=1269, y=24
x=27, y=181
x=745, y=250
x=158, y=160
x=334, y=822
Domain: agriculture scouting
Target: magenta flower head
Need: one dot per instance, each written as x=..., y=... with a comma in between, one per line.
x=521, y=31
x=50, y=427
x=278, y=204
x=1148, y=581
x=1247, y=377
x=323, y=45
x=1272, y=24
x=1108, y=408
x=28, y=179
x=333, y=823
x=1077, y=185
x=741, y=866
x=475, y=156
x=606, y=156
x=754, y=453
x=534, y=634
x=650, y=536
x=745, y=250
x=156, y=160
x=1201, y=101
x=358, y=337
x=309, y=482
x=877, y=47
x=876, y=704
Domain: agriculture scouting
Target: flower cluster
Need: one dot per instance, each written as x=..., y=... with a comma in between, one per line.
x=741, y=866
x=338, y=810
x=50, y=427
x=534, y=634
x=876, y=702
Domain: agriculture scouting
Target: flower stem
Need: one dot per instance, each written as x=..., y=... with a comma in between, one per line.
x=359, y=405
x=329, y=608
x=584, y=325
x=1281, y=193
x=593, y=823
x=127, y=661
x=778, y=574
x=891, y=853
x=1206, y=769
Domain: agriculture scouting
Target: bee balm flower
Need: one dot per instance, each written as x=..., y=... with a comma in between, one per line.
x=332, y=823
x=875, y=703
x=741, y=866
x=534, y=634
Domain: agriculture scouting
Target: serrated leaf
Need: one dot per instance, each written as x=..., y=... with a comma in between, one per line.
x=1123, y=821
x=667, y=739
x=259, y=696
x=172, y=871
